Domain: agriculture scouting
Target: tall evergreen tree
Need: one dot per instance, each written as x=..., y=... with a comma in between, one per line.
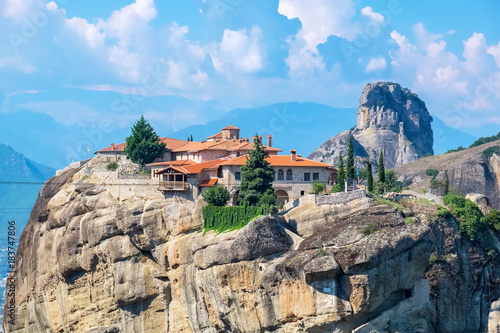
x=191, y=139
x=369, y=176
x=143, y=145
x=256, y=176
x=446, y=185
x=341, y=173
x=351, y=169
x=381, y=168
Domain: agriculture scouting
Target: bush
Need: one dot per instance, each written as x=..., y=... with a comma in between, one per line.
x=438, y=185
x=369, y=229
x=488, y=152
x=472, y=220
x=227, y=218
x=443, y=213
x=409, y=220
x=493, y=218
x=432, y=172
x=426, y=155
x=317, y=188
x=112, y=166
x=336, y=189
x=379, y=188
x=268, y=199
x=216, y=196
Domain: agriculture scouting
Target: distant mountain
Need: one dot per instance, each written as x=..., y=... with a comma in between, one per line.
x=300, y=126
x=483, y=131
x=20, y=182
x=446, y=138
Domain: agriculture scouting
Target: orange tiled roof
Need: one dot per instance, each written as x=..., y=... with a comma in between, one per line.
x=173, y=163
x=171, y=144
x=218, y=135
x=208, y=182
x=281, y=160
x=229, y=127
x=198, y=167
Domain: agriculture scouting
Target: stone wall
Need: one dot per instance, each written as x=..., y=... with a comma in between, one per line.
x=332, y=199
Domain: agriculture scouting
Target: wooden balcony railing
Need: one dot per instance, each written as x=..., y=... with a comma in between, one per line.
x=173, y=186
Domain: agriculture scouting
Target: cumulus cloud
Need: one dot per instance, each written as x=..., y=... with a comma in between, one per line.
x=495, y=52
x=368, y=12
x=376, y=64
x=240, y=50
x=320, y=19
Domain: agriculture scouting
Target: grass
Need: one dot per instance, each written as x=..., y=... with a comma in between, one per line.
x=383, y=201
x=409, y=220
x=370, y=228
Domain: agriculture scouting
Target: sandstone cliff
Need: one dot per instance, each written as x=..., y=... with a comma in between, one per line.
x=390, y=118
x=98, y=258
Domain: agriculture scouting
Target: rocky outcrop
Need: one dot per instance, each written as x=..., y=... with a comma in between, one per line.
x=92, y=260
x=390, y=118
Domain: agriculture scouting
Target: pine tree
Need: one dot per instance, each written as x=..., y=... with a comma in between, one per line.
x=369, y=176
x=341, y=174
x=351, y=171
x=381, y=168
x=143, y=145
x=256, y=176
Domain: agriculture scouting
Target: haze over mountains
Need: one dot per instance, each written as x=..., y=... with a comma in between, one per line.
x=49, y=126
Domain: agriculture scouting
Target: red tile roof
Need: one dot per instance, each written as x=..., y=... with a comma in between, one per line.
x=173, y=163
x=198, y=167
x=229, y=127
x=171, y=144
x=281, y=160
x=208, y=182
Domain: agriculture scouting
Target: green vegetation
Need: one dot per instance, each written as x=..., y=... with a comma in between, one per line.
x=478, y=142
x=341, y=173
x=488, y=152
x=216, y=196
x=143, y=145
x=381, y=168
x=409, y=220
x=112, y=166
x=472, y=220
x=336, y=189
x=351, y=170
x=493, y=218
x=222, y=219
x=256, y=176
x=369, y=176
x=446, y=185
x=370, y=228
x=443, y=213
x=437, y=185
x=434, y=257
x=455, y=150
x=382, y=201
x=84, y=177
x=317, y=188
x=414, y=97
x=426, y=155
x=432, y=172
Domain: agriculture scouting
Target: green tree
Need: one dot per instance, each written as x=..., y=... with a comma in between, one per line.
x=351, y=171
x=216, y=196
x=381, y=168
x=341, y=173
x=143, y=145
x=369, y=176
x=446, y=185
x=390, y=178
x=256, y=176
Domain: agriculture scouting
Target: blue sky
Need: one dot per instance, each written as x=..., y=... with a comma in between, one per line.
x=256, y=52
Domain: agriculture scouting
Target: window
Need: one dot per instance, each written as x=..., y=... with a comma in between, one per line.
x=237, y=175
x=289, y=175
x=307, y=177
x=301, y=193
x=315, y=176
x=219, y=173
x=281, y=174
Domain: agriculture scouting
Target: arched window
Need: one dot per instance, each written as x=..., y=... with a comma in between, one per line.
x=281, y=175
x=289, y=175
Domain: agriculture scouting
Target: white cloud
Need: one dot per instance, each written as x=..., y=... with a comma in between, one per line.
x=18, y=9
x=376, y=64
x=495, y=52
x=16, y=63
x=320, y=19
x=90, y=32
x=368, y=12
x=240, y=50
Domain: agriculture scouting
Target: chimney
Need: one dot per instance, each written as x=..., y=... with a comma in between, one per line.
x=299, y=155
x=269, y=140
x=294, y=155
x=247, y=139
x=241, y=140
x=260, y=138
x=254, y=137
x=112, y=146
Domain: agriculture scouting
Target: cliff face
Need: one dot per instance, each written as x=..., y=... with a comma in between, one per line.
x=390, y=118
x=93, y=259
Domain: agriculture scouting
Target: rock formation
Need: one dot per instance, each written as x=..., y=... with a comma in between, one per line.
x=390, y=118
x=100, y=258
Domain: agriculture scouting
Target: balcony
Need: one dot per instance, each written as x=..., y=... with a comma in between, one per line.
x=173, y=186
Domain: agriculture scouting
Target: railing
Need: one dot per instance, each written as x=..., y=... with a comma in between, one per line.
x=173, y=186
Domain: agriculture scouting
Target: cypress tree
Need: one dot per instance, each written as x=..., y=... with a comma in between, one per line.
x=369, y=176
x=381, y=168
x=191, y=139
x=341, y=174
x=143, y=145
x=351, y=171
x=447, y=185
x=256, y=176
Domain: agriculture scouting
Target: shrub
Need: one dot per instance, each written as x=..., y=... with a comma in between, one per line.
x=443, y=213
x=432, y=172
x=267, y=199
x=317, y=188
x=216, y=196
x=379, y=188
x=369, y=229
x=488, y=152
x=426, y=155
x=112, y=166
x=493, y=218
x=455, y=150
x=409, y=220
x=226, y=218
x=336, y=189
x=438, y=185
x=472, y=220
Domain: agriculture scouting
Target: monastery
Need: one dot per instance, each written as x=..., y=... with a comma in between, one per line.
x=188, y=167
